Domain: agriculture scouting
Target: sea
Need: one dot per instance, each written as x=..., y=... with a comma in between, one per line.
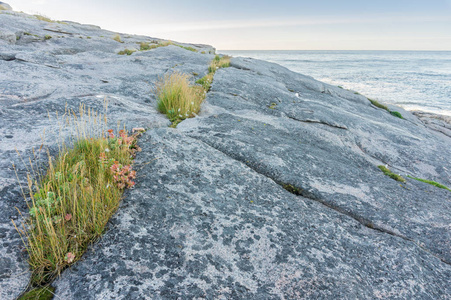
x=414, y=80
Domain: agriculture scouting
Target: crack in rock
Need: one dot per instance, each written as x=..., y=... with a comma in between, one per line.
x=314, y=197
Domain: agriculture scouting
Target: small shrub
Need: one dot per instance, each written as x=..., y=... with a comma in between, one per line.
x=396, y=114
x=117, y=38
x=176, y=98
x=436, y=184
x=127, y=52
x=390, y=174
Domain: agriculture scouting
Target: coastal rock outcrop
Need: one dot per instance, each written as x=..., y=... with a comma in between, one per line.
x=272, y=192
x=5, y=6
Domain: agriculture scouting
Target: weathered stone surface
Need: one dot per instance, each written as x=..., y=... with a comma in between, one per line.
x=209, y=217
x=40, y=79
x=329, y=147
x=203, y=225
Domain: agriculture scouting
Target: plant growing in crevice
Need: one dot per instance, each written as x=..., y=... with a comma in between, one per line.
x=127, y=52
x=70, y=206
x=177, y=99
x=379, y=105
x=292, y=189
x=217, y=63
x=117, y=38
x=390, y=174
x=436, y=184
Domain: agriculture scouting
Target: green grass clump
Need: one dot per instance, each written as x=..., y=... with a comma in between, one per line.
x=217, y=63
x=117, y=38
x=430, y=182
x=44, y=293
x=187, y=48
x=391, y=174
x=127, y=52
x=206, y=81
x=377, y=104
x=43, y=18
x=396, y=114
x=71, y=204
x=176, y=98
x=47, y=37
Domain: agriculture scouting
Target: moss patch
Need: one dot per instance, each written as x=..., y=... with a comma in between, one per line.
x=391, y=174
x=44, y=293
x=436, y=184
x=292, y=189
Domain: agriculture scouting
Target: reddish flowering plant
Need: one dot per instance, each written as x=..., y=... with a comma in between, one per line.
x=110, y=133
x=123, y=175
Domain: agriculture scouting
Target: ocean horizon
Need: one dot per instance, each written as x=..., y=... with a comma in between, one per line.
x=414, y=80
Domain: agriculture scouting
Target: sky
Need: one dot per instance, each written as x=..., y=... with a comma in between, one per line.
x=266, y=25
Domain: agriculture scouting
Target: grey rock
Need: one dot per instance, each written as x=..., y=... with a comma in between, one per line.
x=41, y=79
x=209, y=217
x=5, y=6
x=201, y=225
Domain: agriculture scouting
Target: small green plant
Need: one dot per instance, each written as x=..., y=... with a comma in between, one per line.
x=27, y=33
x=396, y=114
x=436, y=184
x=186, y=48
x=47, y=37
x=273, y=105
x=203, y=52
x=206, y=81
x=217, y=63
x=176, y=98
x=377, y=104
x=117, y=38
x=88, y=37
x=390, y=174
x=44, y=293
x=43, y=18
x=292, y=189
x=127, y=52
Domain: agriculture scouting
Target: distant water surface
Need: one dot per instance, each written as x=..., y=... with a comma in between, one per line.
x=415, y=80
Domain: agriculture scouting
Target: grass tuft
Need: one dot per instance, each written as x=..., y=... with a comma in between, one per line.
x=377, y=104
x=43, y=18
x=176, y=98
x=390, y=174
x=217, y=63
x=117, y=38
x=436, y=184
x=47, y=37
x=127, y=52
x=70, y=206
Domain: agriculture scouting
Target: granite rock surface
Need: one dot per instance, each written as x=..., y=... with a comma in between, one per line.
x=272, y=192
